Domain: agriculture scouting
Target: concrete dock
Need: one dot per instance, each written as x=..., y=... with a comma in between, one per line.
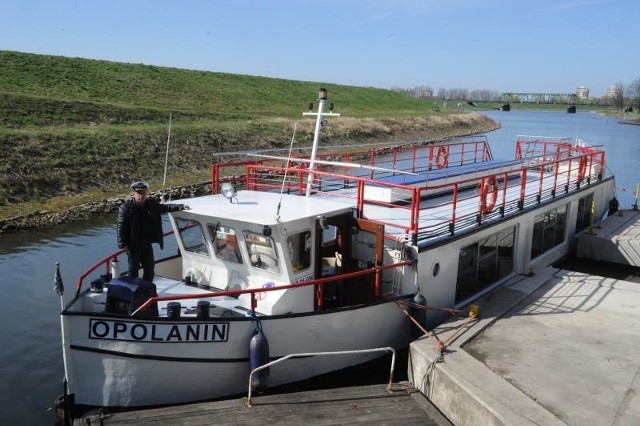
x=614, y=240
x=558, y=348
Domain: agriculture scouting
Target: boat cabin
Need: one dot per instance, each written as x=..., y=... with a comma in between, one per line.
x=244, y=243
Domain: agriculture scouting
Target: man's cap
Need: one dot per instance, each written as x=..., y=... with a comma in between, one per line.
x=140, y=186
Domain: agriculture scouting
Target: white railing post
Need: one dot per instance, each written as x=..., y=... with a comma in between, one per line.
x=302, y=355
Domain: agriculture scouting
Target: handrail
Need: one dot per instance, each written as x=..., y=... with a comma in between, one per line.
x=308, y=354
x=104, y=261
x=422, y=158
x=252, y=291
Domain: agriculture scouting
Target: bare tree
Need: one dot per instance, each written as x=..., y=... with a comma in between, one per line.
x=483, y=95
x=458, y=94
x=423, y=92
x=618, y=97
x=634, y=93
x=419, y=92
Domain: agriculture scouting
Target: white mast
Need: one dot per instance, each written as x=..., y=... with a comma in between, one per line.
x=322, y=97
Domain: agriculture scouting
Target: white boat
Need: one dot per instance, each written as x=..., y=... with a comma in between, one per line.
x=323, y=254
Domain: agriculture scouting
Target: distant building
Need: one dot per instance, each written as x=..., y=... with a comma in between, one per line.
x=582, y=92
x=611, y=91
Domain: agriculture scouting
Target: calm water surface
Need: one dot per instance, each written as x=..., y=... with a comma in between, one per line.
x=31, y=368
x=621, y=141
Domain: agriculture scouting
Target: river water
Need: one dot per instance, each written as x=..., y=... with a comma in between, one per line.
x=31, y=367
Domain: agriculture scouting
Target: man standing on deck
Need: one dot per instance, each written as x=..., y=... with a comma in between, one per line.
x=139, y=225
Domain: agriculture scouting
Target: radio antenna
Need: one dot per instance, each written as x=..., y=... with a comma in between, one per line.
x=166, y=160
x=286, y=169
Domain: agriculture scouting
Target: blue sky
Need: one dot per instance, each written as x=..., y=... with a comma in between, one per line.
x=549, y=46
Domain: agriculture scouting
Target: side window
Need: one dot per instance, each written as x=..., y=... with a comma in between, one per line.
x=548, y=230
x=483, y=263
x=225, y=243
x=330, y=241
x=262, y=252
x=299, y=246
x=329, y=235
x=583, y=218
x=192, y=236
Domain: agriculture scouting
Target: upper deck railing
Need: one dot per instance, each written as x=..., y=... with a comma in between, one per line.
x=379, y=162
x=440, y=189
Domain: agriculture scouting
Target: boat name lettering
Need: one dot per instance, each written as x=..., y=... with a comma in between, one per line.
x=303, y=279
x=158, y=332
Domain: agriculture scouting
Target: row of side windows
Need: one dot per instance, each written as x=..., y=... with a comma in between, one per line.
x=485, y=262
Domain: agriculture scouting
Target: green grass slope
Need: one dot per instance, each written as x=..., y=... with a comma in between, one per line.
x=71, y=126
x=129, y=93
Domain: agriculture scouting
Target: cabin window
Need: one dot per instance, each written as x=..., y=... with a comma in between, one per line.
x=583, y=218
x=332, y=244
x=262, y=252
x=192, y=236
x=548, y=231
x=299, y=246
x=483, y=263
x=330, y=235
x=225, y=243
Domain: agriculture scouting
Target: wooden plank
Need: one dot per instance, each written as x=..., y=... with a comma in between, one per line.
x=347, y=405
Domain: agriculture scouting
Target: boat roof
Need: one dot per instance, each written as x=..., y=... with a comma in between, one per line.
x=262, y=207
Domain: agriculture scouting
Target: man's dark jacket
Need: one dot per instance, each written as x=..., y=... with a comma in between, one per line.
x=129, y=226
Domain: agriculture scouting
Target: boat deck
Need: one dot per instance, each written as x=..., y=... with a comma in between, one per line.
x=371, y=404
x=433, y=191
x=437, y=212
x=464, y=170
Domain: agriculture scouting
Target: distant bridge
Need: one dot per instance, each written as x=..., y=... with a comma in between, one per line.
x=540, y=98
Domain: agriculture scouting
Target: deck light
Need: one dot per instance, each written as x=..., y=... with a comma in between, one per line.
x=322, y=221
x=228, y=191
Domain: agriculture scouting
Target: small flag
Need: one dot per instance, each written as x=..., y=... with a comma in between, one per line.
x=58, y=286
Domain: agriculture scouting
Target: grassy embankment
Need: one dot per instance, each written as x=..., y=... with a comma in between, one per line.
x=75, y=130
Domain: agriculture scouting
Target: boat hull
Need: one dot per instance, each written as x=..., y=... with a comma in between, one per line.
x=107, y=367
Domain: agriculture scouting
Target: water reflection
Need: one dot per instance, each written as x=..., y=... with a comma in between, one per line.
x=66, y=233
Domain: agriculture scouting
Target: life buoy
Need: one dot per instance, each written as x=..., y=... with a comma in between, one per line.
x=582, y=168
x=559, y=153
x=489, y=195
x=442, y=157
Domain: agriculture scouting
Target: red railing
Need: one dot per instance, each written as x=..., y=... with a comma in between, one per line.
x=320, y=282
x=106, y=262
x=532, y=178
x=540, y=146
x=411, y=158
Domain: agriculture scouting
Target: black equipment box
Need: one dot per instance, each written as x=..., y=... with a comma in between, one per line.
x=126, y=294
